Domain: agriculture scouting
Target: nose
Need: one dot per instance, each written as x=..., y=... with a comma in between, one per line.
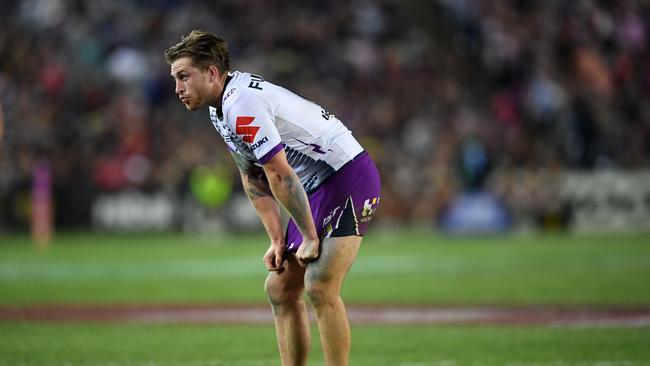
x=179, y=88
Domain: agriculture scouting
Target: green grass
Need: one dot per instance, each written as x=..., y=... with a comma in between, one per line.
x=165, y=345
x=393, y=267
x=404, y=267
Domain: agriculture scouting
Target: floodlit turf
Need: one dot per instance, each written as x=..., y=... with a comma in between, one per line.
x=159, y=345
x=392, y=267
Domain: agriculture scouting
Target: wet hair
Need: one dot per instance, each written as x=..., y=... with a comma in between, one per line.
x=203, y=48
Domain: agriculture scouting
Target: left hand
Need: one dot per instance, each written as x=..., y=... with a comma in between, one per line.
x=308, y=251
x=274, y=257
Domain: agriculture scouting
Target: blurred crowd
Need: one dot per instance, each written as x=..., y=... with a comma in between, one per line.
x=525, y=88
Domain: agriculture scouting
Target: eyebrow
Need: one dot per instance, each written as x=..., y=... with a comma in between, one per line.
x=175, y=74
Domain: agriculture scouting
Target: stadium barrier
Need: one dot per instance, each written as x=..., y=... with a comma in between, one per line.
x=608, y=200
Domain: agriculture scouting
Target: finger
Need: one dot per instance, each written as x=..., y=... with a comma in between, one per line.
x=278, y=259
x=275, y=269
x=268, y=262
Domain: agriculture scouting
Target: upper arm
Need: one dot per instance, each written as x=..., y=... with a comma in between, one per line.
x=277, y=166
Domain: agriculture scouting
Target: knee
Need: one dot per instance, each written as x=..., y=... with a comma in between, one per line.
x=280, y=293
x=321, y=295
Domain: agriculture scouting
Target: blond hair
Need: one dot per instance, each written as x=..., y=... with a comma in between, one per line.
x=203, y=48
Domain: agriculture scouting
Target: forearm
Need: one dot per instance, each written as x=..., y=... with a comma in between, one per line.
x=267, y=208
x=288, y=191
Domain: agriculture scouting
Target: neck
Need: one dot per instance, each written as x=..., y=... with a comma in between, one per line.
x=220, y=90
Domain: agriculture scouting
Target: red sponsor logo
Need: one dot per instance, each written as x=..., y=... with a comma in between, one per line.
x=244, y=129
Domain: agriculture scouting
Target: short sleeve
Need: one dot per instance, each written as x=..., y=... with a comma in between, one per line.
x=253, y=121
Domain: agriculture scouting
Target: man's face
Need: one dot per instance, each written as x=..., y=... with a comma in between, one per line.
x=192, y=83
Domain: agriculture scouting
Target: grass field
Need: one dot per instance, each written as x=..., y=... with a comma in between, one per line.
x=403, y=268
x=393, y=268
x=137, y=345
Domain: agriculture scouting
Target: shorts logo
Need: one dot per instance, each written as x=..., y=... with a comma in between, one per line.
x=369, y=208
x=327, y=222
x=329, y=217
x=243, y=129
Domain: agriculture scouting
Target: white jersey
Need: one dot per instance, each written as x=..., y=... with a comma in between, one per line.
x=259, y=119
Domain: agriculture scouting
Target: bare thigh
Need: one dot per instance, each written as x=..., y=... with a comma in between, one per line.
x=336, y=257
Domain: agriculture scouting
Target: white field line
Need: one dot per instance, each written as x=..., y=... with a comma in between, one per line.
x=394, y=316
x=640, y=321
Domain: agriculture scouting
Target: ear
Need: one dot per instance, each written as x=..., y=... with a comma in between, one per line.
x=213, y=73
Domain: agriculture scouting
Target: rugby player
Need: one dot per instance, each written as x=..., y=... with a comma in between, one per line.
x=290, y=152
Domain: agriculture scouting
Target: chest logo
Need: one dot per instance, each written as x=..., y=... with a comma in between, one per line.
x=244, y=129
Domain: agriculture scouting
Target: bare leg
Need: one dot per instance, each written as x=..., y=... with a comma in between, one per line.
x=285, y=293
x=323, y=282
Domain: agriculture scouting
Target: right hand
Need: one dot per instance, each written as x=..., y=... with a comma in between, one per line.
x=274, y=257
x=308, y=251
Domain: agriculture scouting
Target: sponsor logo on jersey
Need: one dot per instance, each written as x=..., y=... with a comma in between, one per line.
x=328, y=223
x=229, y=93
x=316, y=148
x=259, y=143
x=255, y=82
x=245, y=130
x=329, y=217
x=369, y=208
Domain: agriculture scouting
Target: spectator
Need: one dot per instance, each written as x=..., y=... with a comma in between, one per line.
x=541, y=83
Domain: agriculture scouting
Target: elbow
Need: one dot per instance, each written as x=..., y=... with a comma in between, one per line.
x=275, y=178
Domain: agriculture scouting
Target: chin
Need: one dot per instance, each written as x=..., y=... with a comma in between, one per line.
x=192, y=107
x=194, y=104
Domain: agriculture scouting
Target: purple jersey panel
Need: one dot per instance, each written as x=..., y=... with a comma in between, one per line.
x=344, y=204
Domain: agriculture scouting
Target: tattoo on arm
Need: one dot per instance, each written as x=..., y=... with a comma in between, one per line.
x=253, y=178
x=289, y=192
x=243, y=164
x=256, y=189
x=297, y=204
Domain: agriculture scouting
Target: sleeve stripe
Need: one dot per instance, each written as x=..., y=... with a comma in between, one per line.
x=264, y=159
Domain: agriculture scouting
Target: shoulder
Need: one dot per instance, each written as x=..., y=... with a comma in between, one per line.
x=243, y=94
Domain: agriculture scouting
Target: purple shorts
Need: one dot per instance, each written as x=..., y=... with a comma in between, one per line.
x=344, y=204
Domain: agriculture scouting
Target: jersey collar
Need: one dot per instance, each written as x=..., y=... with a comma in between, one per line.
x=220, y=107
